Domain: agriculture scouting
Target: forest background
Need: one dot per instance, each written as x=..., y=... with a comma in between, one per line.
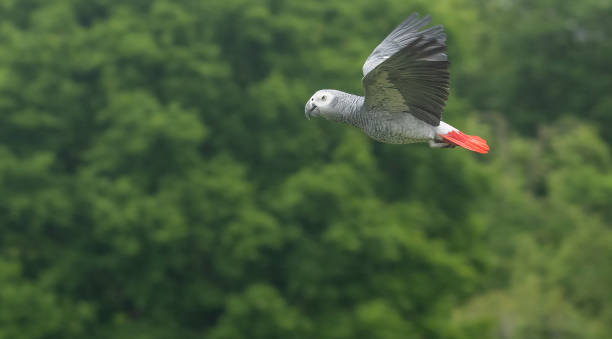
x=158, y=178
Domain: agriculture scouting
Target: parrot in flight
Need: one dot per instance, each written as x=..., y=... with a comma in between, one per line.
x=406, y=84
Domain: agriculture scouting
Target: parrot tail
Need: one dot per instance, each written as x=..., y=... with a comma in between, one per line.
x=471, y=142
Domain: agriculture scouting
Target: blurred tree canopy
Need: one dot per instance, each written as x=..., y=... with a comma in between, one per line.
x=158, y=179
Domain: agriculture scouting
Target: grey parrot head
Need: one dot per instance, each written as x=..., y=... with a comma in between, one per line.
x=324, y=103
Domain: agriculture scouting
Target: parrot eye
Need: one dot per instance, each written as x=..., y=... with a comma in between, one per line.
x=324, y=98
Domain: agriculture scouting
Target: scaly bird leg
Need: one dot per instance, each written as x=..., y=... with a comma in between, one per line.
x=440, y=144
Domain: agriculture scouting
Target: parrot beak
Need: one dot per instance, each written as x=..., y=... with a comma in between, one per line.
x=310, y=107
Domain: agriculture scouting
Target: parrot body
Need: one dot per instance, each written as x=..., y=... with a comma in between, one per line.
x=406, y=86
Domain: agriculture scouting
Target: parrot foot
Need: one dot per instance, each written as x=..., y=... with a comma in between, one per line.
x=440, y=144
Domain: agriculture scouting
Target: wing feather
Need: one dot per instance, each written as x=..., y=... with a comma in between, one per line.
x=408, y=71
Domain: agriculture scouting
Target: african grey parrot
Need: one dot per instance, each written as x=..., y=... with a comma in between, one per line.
x=406, y=86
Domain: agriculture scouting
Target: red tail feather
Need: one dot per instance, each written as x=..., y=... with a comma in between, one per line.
x=471, y=142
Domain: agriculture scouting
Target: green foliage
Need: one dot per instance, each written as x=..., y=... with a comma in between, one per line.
x=158, y=178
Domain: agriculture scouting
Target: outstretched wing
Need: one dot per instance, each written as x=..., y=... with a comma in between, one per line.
x=408, y=72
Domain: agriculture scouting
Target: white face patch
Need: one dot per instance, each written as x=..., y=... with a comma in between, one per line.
x=323, y=99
